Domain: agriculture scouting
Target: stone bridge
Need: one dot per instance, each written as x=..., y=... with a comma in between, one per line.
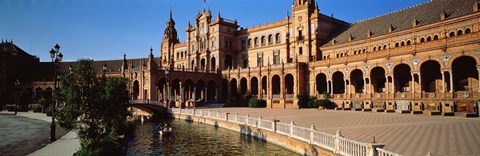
x=154, y=107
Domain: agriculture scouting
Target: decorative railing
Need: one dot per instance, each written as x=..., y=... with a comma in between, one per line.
x=384, y=152
x=336, y=143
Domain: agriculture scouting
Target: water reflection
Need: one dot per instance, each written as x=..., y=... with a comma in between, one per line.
x=197, y=139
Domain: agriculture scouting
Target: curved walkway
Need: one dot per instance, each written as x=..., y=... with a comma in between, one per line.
x=401, y=133
x=65, y=146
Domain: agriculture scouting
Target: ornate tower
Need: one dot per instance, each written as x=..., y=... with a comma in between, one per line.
x=170, y=38
x=302, y=30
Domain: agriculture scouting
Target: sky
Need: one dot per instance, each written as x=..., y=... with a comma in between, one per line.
x=106, y=29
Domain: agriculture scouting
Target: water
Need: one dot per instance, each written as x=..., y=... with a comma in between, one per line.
x=191, y=138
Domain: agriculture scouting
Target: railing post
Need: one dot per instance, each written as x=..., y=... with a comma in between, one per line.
x=274, y=125
x=291, y=128
x=226, y=116
x=209, y=113
x=217, y=114
x=338, y=135
x=236, y=117
x=258, y=121
x=201, y=112
x=246, y=119
x=312, y=129
x=193, y=113
x=372, y=148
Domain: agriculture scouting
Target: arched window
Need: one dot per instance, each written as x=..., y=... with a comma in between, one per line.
x=379, y=48
x=374, y=48
x=255, y=42
x=396, y=44
x=264, y=41
x=459, y=32
x=409, y=42
x=277, y=38
x=468, y=31
x=422, y=40
x=244, y=46
x=435, y=37
x=364, y=50
x=452, y=34
x=270, y=39
x=429, y=38
x=249, y=43
x=384, y=46
x=402, y=44
x=193, y=46
x=355, y=52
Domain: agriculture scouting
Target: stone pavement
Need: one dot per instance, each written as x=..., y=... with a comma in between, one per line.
x=65, y=146
x=405, y=134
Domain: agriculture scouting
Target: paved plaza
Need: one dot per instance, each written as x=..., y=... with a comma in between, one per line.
x=405, y=134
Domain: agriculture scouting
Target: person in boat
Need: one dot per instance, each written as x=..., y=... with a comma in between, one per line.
x=167, y=128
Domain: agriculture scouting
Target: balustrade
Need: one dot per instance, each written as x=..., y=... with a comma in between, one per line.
x=335, y=143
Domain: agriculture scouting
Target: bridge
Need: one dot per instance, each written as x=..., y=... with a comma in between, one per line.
x=154, y=107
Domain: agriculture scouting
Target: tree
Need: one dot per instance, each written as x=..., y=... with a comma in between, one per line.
x=95, y=107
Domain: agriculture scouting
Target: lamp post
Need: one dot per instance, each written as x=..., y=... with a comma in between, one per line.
x=56, y=56
x=17, y=83
x=104, y=70
x=166, y=84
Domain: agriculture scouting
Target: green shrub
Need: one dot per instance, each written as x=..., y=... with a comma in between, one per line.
x=257, y=103
x=303, y=101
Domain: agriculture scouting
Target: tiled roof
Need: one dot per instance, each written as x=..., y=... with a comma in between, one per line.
x=426, y=13
x=12, y=49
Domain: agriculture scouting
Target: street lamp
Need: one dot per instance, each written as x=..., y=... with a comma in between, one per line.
x=56, y=56
x=166, y=83
x=104, y=69
x=17, y=83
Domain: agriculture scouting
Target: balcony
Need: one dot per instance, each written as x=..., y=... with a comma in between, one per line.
x=300, y=38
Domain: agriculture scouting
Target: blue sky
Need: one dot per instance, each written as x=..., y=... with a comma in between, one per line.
x=106, y=29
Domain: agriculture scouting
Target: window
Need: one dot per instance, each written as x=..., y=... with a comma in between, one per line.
x=468, y=31
x=277, y=38
x=374, y=48
x=276, y=57
x=435, y=37
x=384, y=46
x=263, y=41
x=300, y=50
x=396, y=44
x=429, y=38
x=459, y=32
x=245, y=61
x=249, y=43
x=270, y=39
x=422, y=40
x=260, y=59
x=402, y=44
x=244, y=45
x=255, y=42
x=452, y=34
x=409, y=42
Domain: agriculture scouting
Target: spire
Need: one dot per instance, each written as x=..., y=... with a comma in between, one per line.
x=171, y=13
x=150, y=57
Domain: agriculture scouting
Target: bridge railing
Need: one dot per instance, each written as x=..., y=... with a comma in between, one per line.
x=336, y=143
x=152, y=102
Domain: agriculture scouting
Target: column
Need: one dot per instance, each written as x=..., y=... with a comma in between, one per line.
x=328, y=86
x=365, y=90
x=451, y=81
x=393, y=84
x=205, y=96
x=478, y=71
x=315, y=87
x=443, y=82
x=420, y=83
x=331, y=87
x=282, y=87
x=413, y=83
x=345, y=86
x=387, y=88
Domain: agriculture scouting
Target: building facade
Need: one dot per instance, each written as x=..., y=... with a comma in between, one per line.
x=422, y=58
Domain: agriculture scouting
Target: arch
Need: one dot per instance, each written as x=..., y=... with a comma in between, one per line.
x=429, y=38
x=431, y=76
x=384, y=46
x=270, y=39
x=243, y=86
x=161, y=85
x=378, y=80
x=263, y=41
x=374, y=48
x=264, y=86
x=228, y=61
x=224, y=93
x=402, y=43
x=402, y=77
x=175, y=90
x=255, y=42
x=465, y=74
x=402, y=63
x=136, y=90
x=356, y=80
x=469, y=54
x=436, y=59
x=202, y=64
x=189, y=89
x=193, y=64
x=233, y=87
x=459, y=32
x=213, y=64
x=338, y=82
x=452, y=34
x=422, y=40
x=38, y=94
x=409, y=42
x=278, y=38
x=244, y=44
x=254, y=85
x=397, y=44
x=211, y=91
x=289, y=84
x=249, y=43
x=321, y=83
x=468, y=31
x=200, y=90
x=435, y=37
x=275, y=84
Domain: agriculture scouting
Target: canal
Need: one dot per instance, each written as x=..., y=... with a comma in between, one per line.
x=192, y=138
